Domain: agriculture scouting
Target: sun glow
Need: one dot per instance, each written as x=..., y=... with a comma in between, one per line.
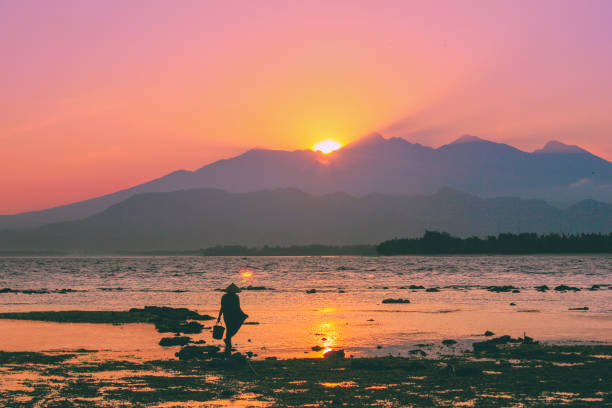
x=327, y=146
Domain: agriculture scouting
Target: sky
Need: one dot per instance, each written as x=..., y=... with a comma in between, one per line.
x=97, y=96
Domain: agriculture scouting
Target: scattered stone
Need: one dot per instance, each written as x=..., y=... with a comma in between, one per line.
x=334, y=354
x=565, y=288
x=342, y=268
x=449, y=342
x=419, y=352
x=578, y=308
x=174, y=326
x=174, y=341
x=491, y=345
x=396, y=300
x=489, y=333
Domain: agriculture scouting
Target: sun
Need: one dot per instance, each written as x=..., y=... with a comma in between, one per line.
x=327, y=146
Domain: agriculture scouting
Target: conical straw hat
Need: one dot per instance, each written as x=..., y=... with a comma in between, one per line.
x=232, y=289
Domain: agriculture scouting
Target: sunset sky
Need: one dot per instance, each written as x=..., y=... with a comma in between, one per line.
x=100, y=96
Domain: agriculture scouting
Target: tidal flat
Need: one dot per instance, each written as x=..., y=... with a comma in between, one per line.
x=530, y=375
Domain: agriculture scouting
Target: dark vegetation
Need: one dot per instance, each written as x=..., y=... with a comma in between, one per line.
x=433, y=242
x=510, y=373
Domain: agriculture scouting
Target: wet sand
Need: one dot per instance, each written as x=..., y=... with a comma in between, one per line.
x=512, y=375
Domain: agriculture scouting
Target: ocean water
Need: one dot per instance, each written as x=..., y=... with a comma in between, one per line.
x=346, y=311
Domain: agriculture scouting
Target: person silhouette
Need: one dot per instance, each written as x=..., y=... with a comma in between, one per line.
x=233, y=316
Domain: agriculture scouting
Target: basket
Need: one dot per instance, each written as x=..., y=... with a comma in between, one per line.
x=218, y=332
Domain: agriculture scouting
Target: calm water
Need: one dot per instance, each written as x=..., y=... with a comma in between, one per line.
x=292, y=321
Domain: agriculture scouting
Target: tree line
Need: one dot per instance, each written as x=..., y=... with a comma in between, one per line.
x=434, y=242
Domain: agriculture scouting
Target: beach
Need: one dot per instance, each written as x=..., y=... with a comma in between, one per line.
x=400, y=321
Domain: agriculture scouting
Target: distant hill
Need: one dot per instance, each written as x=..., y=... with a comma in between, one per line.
x=201, y=218
x=557, y=172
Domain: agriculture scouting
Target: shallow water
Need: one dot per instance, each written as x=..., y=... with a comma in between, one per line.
x=292, y=321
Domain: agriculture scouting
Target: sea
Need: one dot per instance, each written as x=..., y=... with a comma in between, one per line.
x=305, y=306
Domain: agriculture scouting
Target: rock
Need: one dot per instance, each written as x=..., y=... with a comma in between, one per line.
x=516, y=291
x=542, y=288
x=484, y=347
x=317, y=348
x=379, y=347
x=256, y=288
x=251, y=323
x=498, y=289
x=449, y=342
x=311, y=291
x=341, y=291
x=197, y=352
x=432, y=290
x=342, y=268
x=271, y=358
x=489, y=333
x=174, y=341
x=414, y=287
x=564, y=288
x=595, y=287
x=334, y=354
x=578, y=308
x=419, y=352
x=8, y=290
x=370, y=320
x=512, y=304
x=396, y=301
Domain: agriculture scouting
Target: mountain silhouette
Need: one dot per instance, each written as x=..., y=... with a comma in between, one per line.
x=199, y=218
x=557, y=173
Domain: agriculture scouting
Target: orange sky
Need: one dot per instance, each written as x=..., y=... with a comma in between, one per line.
x=102, y=96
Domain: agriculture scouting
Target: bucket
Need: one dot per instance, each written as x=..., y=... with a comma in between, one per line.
x=218, y=332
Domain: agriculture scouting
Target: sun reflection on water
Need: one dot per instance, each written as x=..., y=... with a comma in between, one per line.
x=328, y=340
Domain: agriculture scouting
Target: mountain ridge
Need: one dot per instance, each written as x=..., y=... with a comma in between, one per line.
x=377, y=164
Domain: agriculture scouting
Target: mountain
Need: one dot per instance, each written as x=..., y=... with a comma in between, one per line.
x=557, y=172
x=199, y=218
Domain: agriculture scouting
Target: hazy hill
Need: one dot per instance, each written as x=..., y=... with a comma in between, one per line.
x=200, y=218
x=557, y=172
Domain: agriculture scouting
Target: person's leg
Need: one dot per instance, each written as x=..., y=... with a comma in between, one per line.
x=228, y=345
